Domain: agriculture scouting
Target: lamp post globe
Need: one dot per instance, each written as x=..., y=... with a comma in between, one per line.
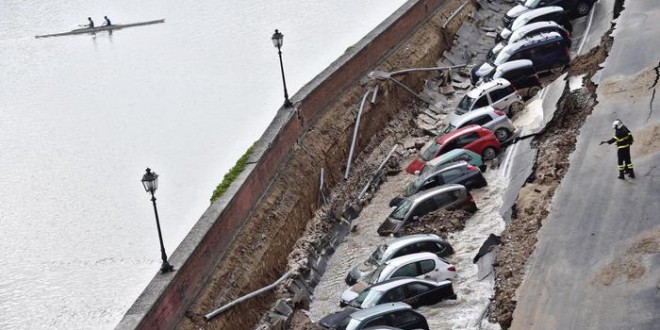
x=278, y=41
x=150, y=183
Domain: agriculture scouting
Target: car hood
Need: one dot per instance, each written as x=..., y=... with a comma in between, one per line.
x=416, y=165
x=516, y=11
x=497, y=48
x=332, y=320
x=483, y=69
x=452, y=116
x=505, y=33
x=352, y=292
x=361, y=270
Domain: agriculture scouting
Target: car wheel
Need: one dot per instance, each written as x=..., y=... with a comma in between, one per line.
x=532, y=91
x=501, y=134
x=557, y=69
x=582, y=8
x=488, y=153
x=515, y=107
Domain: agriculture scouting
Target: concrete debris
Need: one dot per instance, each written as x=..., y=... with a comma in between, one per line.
x=447, y=89
x=408, y=143
x=283, y=308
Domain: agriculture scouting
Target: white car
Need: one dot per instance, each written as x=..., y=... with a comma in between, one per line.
x=420, y=265
x=497, y=93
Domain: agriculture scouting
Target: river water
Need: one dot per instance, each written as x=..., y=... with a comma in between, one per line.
x=82, y=116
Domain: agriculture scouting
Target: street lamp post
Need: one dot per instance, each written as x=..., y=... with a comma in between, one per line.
x=278, y=40
x=150, y=183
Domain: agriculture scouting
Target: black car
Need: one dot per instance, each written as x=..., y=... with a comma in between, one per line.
x=548, y=52
x=521, y=74
x=412, y=291
x=458, y=172
x=552, y=13
x=398, y=315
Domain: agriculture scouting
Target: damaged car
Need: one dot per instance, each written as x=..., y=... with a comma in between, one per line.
x=420, y=265
x=398, y=247
x=398, y=315
x=412, y=291
x=410, y=209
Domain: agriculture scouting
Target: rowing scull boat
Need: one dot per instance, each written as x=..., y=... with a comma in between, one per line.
x=100, y=28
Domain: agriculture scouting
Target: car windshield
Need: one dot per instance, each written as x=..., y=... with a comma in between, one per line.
x=413, y=187
x=401, y=210
x=449, y=128
x=344, y=323
x=366, y=298
x=377, y=257
x=465, y=104
x=429, y=153
x=502, y=57
x=352, y=325
x=531, y=4
x=372, y=278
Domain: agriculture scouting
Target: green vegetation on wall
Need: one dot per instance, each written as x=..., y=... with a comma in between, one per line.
x=232, y=175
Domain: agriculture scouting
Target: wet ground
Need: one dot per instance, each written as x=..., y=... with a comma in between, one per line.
x=473, y=295
x=474, y=308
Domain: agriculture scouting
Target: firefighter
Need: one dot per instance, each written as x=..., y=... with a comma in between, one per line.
x=624, y=140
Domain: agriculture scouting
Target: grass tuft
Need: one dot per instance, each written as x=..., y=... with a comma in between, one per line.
x=232, y=175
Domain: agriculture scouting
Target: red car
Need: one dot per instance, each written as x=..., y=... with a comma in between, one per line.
x=474, y=138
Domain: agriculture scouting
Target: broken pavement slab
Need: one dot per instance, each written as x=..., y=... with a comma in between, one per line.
x=541, y=108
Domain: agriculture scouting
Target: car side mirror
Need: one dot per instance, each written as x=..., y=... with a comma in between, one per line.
x=542, y=3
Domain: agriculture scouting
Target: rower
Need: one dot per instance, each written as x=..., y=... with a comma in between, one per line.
x=107, y=21
x=91, y=23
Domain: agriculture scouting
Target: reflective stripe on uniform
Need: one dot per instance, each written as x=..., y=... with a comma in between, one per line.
x=622, y=167
x=630, y=166
x=623, y=146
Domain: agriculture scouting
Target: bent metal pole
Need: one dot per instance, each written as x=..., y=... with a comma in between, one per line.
x=216, y=312
x=355, y=131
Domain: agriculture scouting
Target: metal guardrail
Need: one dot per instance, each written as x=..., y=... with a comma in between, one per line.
x=450, y=18
x=377, y=172
x=218, y=311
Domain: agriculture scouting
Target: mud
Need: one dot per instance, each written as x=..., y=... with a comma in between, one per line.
x=630, y=265
x=441, y=223
x=554, y=146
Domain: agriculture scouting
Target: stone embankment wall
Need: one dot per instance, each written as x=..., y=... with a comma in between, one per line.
x=241, y=242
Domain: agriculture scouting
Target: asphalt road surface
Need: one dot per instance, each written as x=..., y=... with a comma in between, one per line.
x=593, y=267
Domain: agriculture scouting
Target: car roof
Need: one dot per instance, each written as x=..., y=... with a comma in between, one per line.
x=485, y=86
x=512, y=47
x=536, y=26
x=533, y=13
x=442, y=168
x=408, y=258
x=361, y=315
x=402, y=241
x=514, y=65
x=399, y=281
x=458, y=121
x=452, y=135
x=425, y=194
x=450, y=154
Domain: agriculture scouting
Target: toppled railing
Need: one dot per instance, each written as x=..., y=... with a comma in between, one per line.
x=218, y=311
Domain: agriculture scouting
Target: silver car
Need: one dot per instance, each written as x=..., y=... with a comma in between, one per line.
x=399, y=247
x=488, y=117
